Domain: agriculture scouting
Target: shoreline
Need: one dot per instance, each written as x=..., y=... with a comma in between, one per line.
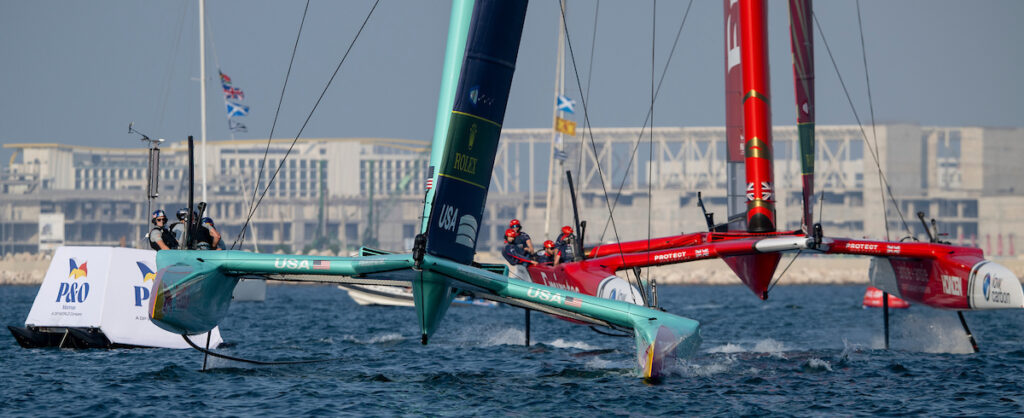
x=29, y=269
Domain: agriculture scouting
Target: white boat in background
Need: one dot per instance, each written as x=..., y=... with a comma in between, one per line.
x=377, y=295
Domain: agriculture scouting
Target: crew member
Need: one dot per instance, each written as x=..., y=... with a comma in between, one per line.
x=159, y=237
x=565, y=243
x=513, y=253
x=522, y=238
x=212, y=237
x=517, y=259
x=178, y=228
x=550, y=254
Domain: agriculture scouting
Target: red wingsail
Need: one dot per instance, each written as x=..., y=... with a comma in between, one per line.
x=757, y=117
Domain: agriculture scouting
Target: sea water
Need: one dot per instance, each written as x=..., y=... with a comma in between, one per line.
x=807, y=350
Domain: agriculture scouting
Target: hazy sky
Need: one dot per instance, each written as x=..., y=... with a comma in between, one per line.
x=77, y=72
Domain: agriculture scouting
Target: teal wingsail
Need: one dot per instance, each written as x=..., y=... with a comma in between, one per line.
x=193, y=288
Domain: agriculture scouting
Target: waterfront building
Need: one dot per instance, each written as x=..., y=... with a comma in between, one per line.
x=344, y=192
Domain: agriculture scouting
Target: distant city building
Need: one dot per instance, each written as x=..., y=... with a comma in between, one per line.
x=348, y=192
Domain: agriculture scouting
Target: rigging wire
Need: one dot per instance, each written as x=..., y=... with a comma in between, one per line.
x=589, y=130
x=874, y=155
x=871, y=106
x=650, y=157
x=241, y=235
x=777, y=279
x=166, y=87
x=636, y=146
x=310, y=116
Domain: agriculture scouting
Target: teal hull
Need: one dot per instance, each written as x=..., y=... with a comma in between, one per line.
x=193, y=292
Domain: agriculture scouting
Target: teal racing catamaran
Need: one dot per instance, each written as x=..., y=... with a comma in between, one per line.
x=192, y=289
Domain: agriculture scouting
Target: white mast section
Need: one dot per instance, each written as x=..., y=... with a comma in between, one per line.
x=202, y=97
x=559, y=91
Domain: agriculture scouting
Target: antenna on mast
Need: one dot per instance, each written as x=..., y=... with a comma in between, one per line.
x=153, y=173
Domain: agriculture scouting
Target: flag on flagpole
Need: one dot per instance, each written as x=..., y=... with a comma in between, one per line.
x=566, y=104
x=236, y=126
x=560, y=155
x=565, y=126
x=232, y=92
x=232, y=96
x=236, y=109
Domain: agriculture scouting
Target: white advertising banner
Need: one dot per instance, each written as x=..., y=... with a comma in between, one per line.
x=51, y=231
x=72, y=291
x=107, y=288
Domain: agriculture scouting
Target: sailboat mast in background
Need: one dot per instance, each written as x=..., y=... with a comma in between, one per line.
x=202, y=97
x=802, y=44
x=735, y=175
x=554, y=181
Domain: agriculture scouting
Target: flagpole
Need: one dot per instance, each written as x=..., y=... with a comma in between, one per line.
x=202, y=96
x=559, y=90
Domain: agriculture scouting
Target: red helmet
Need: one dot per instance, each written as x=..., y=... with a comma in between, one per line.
x=567, y=230
x=514, y=222
x=549, y=244
x=510, y=233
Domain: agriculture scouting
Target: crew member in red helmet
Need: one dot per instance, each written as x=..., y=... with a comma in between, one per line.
x=565, y=243
x=551, y=254
x=513, y=253
x=522, y=238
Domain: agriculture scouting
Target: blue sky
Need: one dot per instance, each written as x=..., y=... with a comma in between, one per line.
x=78, y=72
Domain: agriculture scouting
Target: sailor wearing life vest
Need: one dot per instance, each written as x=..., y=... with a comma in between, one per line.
x=178, y=228
x=550, y=255
x=522, y=238
x=516, y=257
x=565, y=243
x=512, y=252
x=161, y=238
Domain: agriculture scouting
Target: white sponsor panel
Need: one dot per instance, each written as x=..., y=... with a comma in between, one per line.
x=992, y=286
x=617, y=288
x=73, y=290
x=106, y=288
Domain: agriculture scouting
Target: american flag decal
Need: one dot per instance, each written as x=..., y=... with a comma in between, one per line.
x=321, y=265
x=430, y=178
x=571, y=301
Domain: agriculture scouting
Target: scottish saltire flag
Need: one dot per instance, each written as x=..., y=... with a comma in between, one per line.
x=236, y=109
x=566, y=104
